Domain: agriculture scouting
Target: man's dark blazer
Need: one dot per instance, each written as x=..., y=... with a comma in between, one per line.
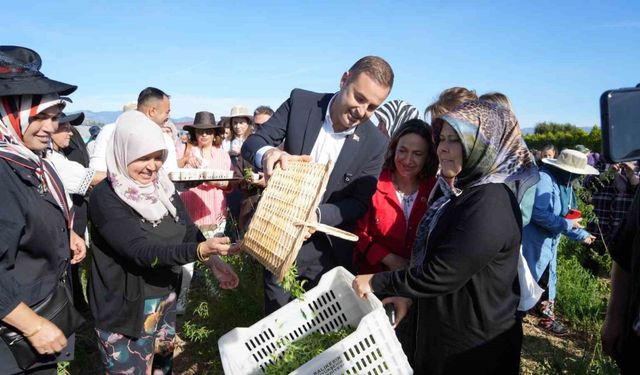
x=352, y=181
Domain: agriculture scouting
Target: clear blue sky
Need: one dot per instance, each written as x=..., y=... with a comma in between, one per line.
x=553, y=59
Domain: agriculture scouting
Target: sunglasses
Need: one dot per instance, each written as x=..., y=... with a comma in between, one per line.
x=209, y=131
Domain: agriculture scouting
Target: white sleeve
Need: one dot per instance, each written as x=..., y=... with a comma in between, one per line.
x=75, y=178
x=259, y=154
x=98, y=159
x=91, y=145
x=171, y=164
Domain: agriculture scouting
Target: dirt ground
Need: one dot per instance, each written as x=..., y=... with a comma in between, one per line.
x=537, y=345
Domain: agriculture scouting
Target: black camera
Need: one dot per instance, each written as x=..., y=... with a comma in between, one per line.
x=620, y=124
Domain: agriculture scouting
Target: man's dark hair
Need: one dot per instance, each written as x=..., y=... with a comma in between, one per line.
x=263, y=110
x=149, y=94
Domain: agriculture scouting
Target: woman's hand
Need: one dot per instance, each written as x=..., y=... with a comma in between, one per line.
x=194, y=162
x=78, y=248
x=218, y=184
x=575, y=224
x=224, y=273
x=589, y=240
x=261, y=182
x=362, y=285
x=218, y=246
x=401, y=304
x=48, y=339
x=395, y=262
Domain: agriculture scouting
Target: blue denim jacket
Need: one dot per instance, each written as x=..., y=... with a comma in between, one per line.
x=541, y=236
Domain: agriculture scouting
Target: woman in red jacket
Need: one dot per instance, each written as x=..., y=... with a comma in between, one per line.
x=388, y=229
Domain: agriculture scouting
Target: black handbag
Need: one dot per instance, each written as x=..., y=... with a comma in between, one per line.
x=58, y=309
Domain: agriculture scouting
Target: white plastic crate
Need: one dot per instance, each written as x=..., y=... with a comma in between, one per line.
x=372, y=349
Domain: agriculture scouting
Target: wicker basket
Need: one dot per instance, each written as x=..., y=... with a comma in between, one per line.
x=275, y=233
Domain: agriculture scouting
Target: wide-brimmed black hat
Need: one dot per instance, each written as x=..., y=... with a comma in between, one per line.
x=203, y=120
x=20, y=74
x=73, y=119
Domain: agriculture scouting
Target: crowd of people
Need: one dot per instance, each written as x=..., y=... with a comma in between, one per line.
x=452, y=213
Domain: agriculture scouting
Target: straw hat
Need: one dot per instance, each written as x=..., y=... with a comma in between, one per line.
x=239, y=111
x=572, y=161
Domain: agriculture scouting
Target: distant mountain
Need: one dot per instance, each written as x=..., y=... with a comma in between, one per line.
x=106, y=117
x=185, y=119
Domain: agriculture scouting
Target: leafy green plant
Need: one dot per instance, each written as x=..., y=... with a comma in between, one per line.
x=292, y=284
x=302, y=351
x=64, y=368
x=595, y=257
x=582, y=298
x=195, y=332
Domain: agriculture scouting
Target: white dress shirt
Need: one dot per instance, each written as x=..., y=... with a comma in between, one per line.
x=326, y=147
x=98, y=158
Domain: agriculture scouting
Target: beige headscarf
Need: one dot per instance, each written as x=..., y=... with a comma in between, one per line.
x=134, y=137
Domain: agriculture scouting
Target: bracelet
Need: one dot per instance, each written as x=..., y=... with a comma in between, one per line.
x=199, y=253
x=38, y=328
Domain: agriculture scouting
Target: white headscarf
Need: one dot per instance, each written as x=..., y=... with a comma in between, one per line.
x=134, y=137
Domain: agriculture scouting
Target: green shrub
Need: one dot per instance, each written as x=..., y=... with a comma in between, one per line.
x=581, y=298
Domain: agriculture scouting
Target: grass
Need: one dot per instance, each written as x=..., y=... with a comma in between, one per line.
x=581, y=303
x=212, y=312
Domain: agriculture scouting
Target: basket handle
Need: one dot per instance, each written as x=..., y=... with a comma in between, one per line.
x=331, y=231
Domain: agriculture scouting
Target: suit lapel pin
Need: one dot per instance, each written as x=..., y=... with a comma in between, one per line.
x=356, y=138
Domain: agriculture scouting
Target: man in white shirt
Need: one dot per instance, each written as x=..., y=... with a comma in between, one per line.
x=98, y=156
x=155, y=104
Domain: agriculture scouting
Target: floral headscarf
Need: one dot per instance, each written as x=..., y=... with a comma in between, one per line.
x=15, y=112
x=494, y=152
x=134, y=137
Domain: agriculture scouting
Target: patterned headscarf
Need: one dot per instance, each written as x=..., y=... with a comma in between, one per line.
x=15, y=112
x=493, y=146
x=394, y=113
x=494, y=152
x=134, y=137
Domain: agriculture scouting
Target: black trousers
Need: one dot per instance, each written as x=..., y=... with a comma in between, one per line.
x=499, y=356
x=627, y=356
